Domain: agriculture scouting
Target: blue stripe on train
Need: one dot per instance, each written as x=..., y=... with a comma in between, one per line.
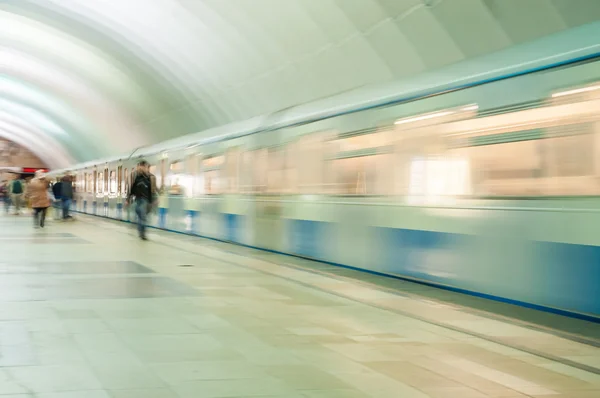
x=162, y=217
x=232, y=223
x=549, y=274
x=307, y=238
x=191, y=222
x=555, y=277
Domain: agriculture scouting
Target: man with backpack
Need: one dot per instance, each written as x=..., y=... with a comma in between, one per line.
x=16, y=188
x=66, y=195
x=143, y=189
x=57, y=192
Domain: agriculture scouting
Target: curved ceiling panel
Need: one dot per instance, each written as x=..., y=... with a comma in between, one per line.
x=36, y=140
x=96, y=78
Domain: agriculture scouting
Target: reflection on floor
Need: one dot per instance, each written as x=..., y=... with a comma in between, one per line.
x=111, y=316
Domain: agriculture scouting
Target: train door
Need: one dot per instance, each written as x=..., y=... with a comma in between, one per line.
x=103, y=202
x=113, y=190
x=216, y=220
x=270, y=165
x=176, y=186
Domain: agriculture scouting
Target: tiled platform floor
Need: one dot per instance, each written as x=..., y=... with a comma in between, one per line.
x=87, y=310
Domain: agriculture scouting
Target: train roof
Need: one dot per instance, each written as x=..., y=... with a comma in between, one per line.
x=566, y=47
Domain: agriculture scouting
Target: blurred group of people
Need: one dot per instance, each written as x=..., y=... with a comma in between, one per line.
x=39, y=194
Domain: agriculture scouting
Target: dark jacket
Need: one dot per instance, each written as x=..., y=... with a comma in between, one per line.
x=67, y=189
x=57, y=190
x=151, y=195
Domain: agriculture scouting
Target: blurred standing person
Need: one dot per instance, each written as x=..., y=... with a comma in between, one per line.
x=57, y=192
x=143, y=189
x=16, y=189
x=4, y=196
x=39, y=197
x=66, y=196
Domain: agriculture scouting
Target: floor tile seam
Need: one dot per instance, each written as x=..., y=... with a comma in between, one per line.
x=20, y=384
x=461, y=382
x=527, y=350
x=83, y=356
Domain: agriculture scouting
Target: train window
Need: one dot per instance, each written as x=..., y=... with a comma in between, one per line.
x=310, y=169
x=119, y=180
x=212, y=173
x=569, y=150
x=361, y=163
x=507, y=169
x=568, y=160
x=106, y=180
x=213, y=162
x=191, y=167
x=178, y=182
x=431, y=178
x=89, y=182
x=74, y=182
x=276, y=182
x=153, y=171
x=231, y=171
x=290, y=172
x=351, y=144
x=553, y=156
x=99, y=182
x=246, y=175
x=113, y=182
x=125, y=187
x=199, y=176
x=260, y=162
x=264, y=170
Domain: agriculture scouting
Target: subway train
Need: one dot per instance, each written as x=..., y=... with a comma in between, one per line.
x=488, y=188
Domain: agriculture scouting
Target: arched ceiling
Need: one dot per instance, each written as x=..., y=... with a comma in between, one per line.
x=86, y=79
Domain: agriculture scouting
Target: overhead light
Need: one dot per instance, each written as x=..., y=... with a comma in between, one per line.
x=470, y=108
x=575, y=91
x=424, y=117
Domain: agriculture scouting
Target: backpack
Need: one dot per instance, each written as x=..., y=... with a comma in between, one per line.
x=142, y=186
x=17, y=187
x=57, y=190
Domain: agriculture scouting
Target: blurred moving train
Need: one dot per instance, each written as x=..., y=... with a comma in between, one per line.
x=488, y=188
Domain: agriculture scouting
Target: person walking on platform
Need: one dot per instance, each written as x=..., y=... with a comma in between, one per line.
x=5, y=197
x=57, y=192
x=39, y=196
x=16, y=188
x=66, y=196
x=143, y=190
